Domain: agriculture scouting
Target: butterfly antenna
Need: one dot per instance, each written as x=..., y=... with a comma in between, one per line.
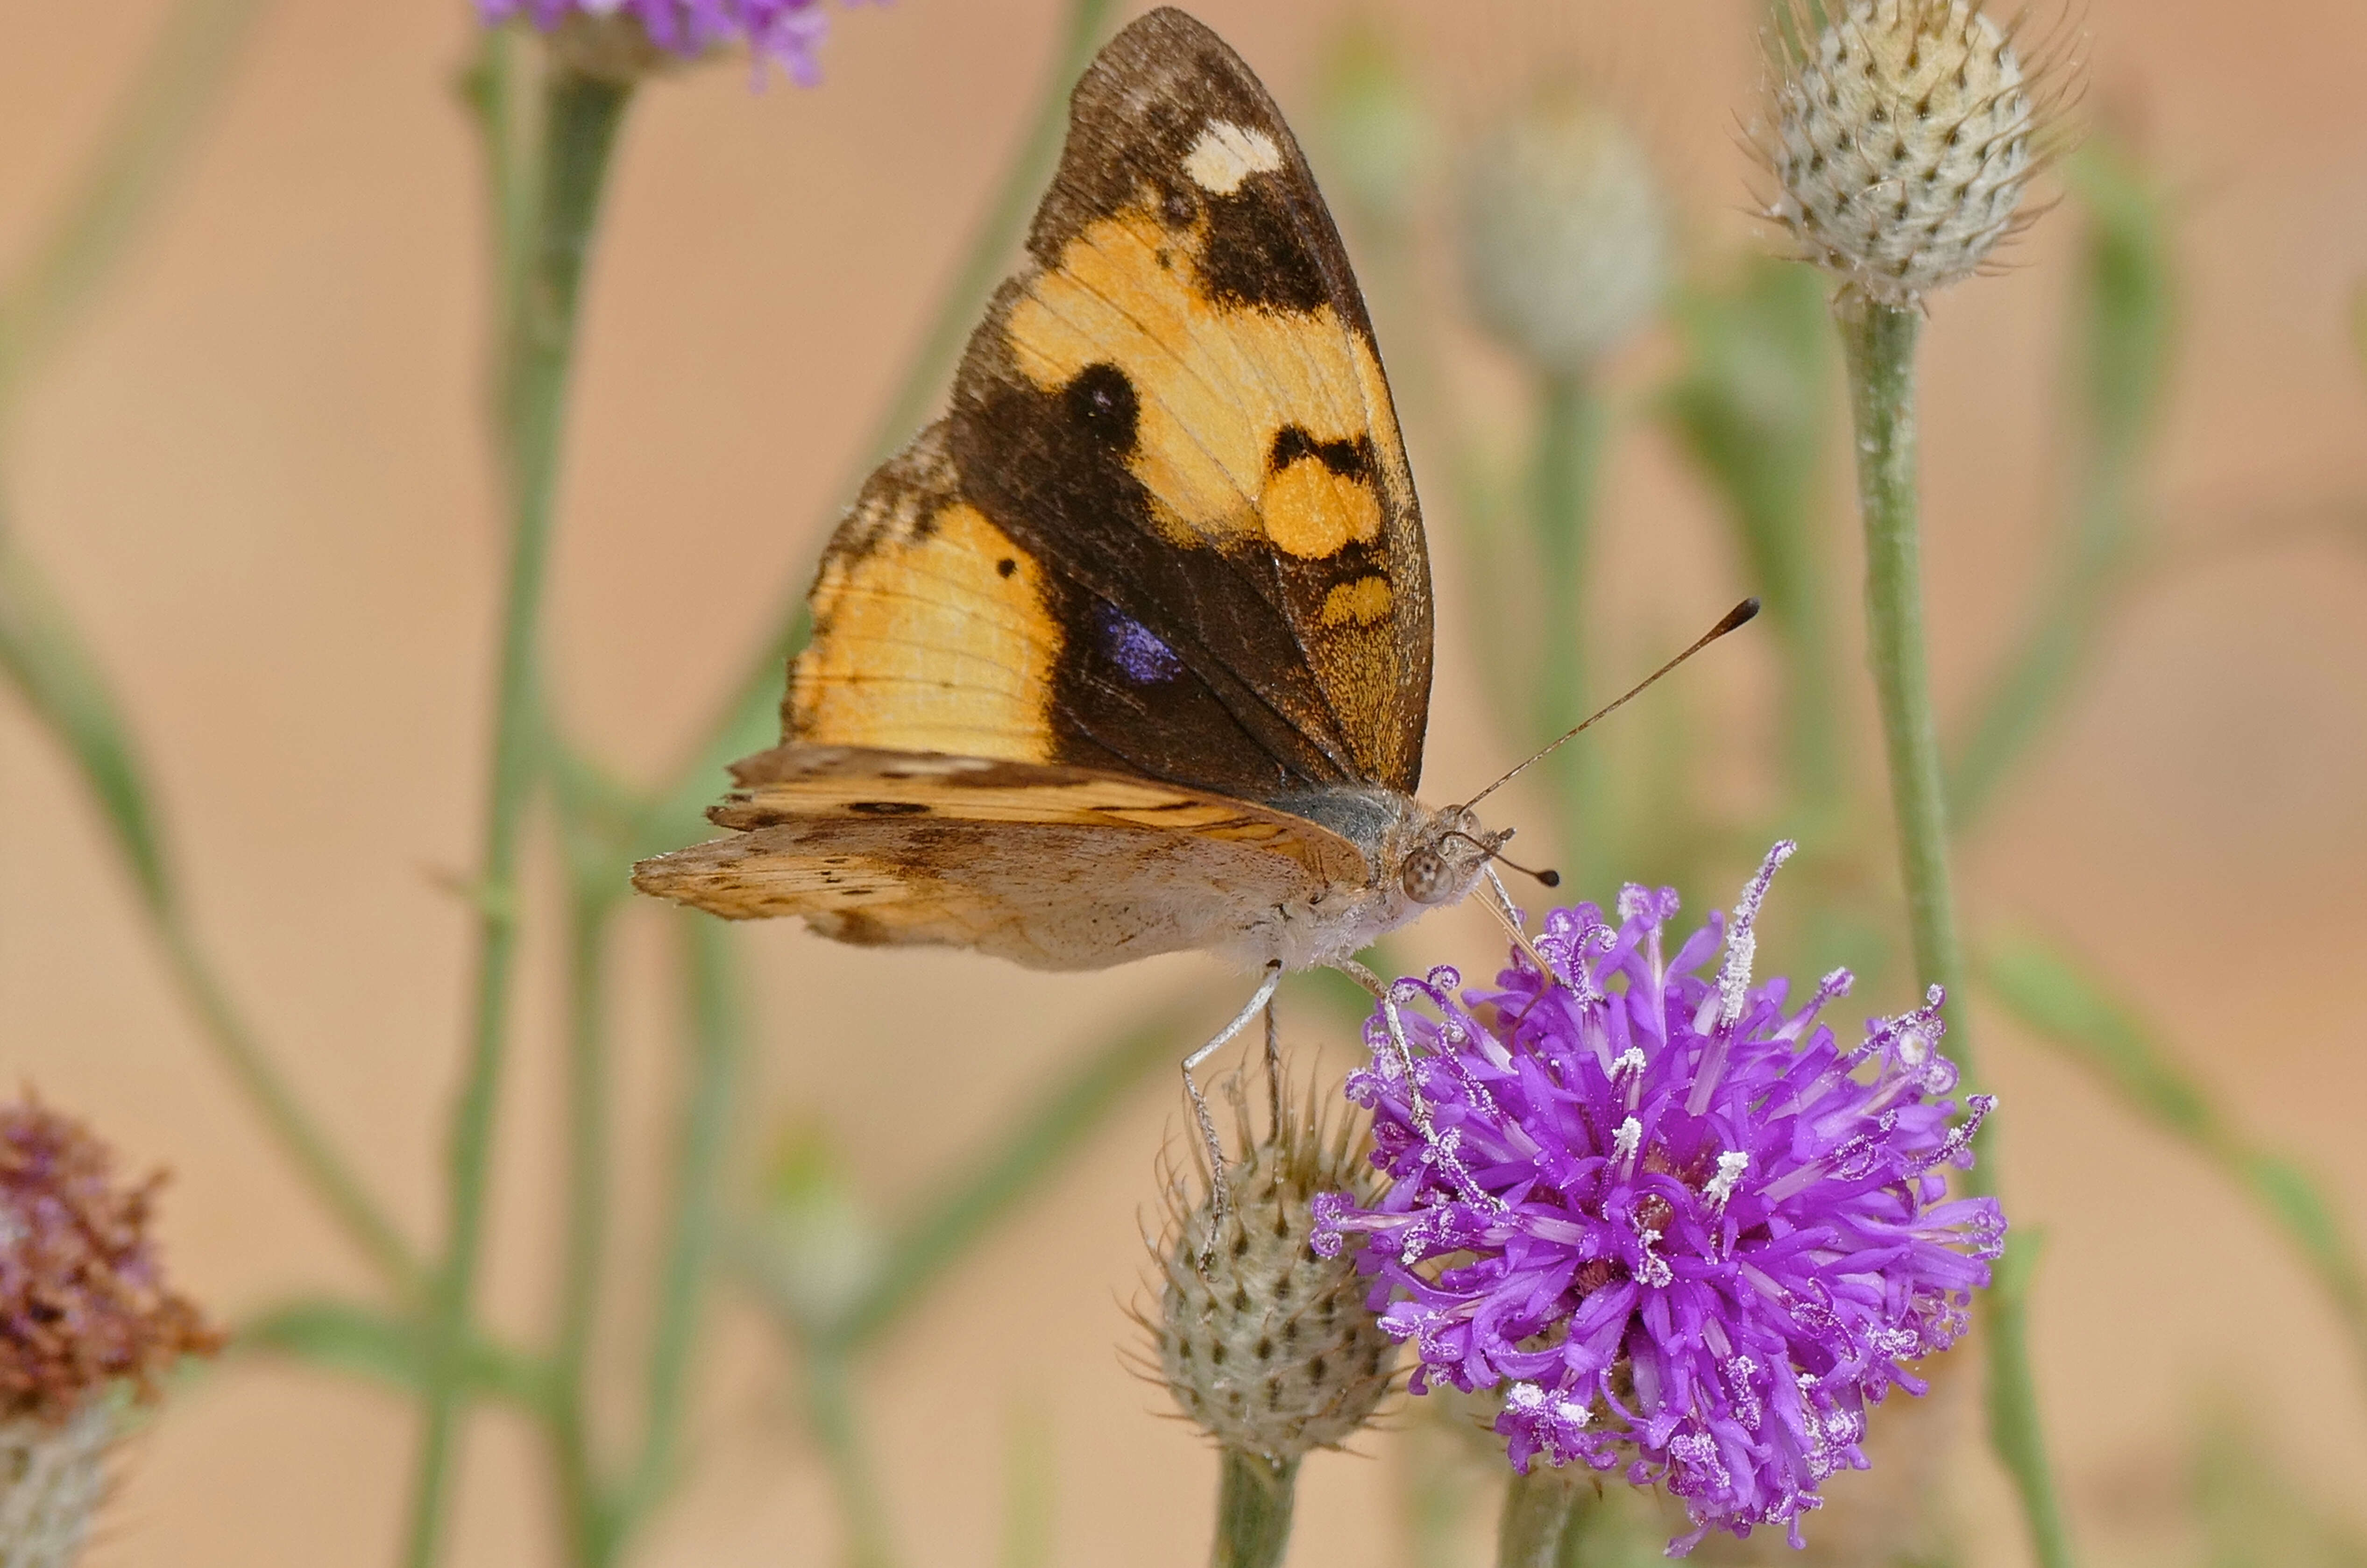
x=1737, y=617
x=1546, y=874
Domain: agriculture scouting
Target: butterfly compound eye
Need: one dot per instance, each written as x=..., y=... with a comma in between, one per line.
x=1425, y=876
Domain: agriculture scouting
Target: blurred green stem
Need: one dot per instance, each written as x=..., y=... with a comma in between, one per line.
x=583, y=1506
x=750, y=721
x=1536, y=1518
x=582, y=120
x=1878, y=345
x=831, y=1415
x=43, y=658
x=1035, y=1144
x=1568, y=455
x=2062, y=1005
x=2120, y=355
x=152, y=128
x=717, y=1026
x=1255, y=1498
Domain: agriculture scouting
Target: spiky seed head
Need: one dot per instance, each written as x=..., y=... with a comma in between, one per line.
x=1272, y=1350
x=1566, y=246
x=1905, y=135
x=86, y=1325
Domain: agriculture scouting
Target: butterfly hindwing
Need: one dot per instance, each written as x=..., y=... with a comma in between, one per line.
x=1055, y=867
x=1177, y=408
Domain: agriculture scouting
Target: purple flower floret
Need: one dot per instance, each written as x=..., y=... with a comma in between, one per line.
x=787, y=32
x=1678, y=1226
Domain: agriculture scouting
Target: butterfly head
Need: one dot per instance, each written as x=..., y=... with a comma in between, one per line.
x=1448, y=853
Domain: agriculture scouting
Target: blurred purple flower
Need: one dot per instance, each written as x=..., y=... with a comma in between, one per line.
x=787, y=32
x=1678, y=1226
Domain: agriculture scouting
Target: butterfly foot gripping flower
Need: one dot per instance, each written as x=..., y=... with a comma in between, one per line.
x=85, y=1319
x=1713, y=1234
x=1272, y=1350
x=623, y=41
x=1904, y=133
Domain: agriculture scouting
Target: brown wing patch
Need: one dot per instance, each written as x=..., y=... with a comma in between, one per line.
x=1058, y=868
x=931, y=631
x=1179, y=408
x=1049, y=895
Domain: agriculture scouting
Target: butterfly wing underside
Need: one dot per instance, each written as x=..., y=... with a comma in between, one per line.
x=1053, y=867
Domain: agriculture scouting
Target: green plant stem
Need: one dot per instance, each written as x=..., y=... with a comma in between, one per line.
x=1570, y=430
x=718, y=1029
x=2060, y=1004
x=42, y=656
x=749, y=720
x=2120, y=352
x=1878, y=345
x=1255, y=1498
x=830, y=1416
x=1536, y=1518
x=152, y=128
x=999, y=1179
x=582, y=120
x=583, y=1506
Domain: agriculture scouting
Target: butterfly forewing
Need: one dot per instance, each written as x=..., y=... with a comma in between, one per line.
x=1178, y=409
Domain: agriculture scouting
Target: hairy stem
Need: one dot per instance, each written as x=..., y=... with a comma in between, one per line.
x=1255, y=1497
x=581, y=119
x=1568, y=454
x=1878, y=343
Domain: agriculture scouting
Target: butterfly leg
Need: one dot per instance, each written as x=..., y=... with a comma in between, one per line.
x=1220, y=1196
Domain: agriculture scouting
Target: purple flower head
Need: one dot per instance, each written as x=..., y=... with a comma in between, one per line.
x=1680, y=1225
x=786, y=32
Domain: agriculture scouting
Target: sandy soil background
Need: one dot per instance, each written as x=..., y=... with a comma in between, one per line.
x=259, y=480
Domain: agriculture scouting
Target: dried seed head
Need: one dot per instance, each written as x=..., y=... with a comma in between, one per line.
x=85, y=1324
x=1565, y=232
x=1273, y=1351
x=1904, y=134
x=83, y=1303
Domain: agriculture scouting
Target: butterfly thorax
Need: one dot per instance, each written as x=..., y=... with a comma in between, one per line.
x=1419, y=860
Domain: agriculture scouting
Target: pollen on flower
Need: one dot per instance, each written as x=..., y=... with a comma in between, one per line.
x=1715, y=1240
x=1904, y=135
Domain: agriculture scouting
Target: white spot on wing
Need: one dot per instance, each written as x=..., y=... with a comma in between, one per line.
x=1227, y=154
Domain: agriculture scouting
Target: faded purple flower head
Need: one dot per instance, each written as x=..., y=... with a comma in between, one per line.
x=787, y=32
x=1679, y=1224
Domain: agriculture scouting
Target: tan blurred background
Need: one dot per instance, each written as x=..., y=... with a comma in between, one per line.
x=260, y=481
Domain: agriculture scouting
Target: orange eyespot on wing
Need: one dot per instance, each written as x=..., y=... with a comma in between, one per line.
x=930, y=628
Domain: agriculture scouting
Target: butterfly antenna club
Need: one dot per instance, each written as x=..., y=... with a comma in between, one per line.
x=1733, y=619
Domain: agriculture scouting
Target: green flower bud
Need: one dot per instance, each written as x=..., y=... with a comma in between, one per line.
x=1904, y=133
x=1566, y=243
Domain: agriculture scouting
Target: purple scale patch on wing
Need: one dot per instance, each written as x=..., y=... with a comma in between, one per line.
x=1135, y=649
